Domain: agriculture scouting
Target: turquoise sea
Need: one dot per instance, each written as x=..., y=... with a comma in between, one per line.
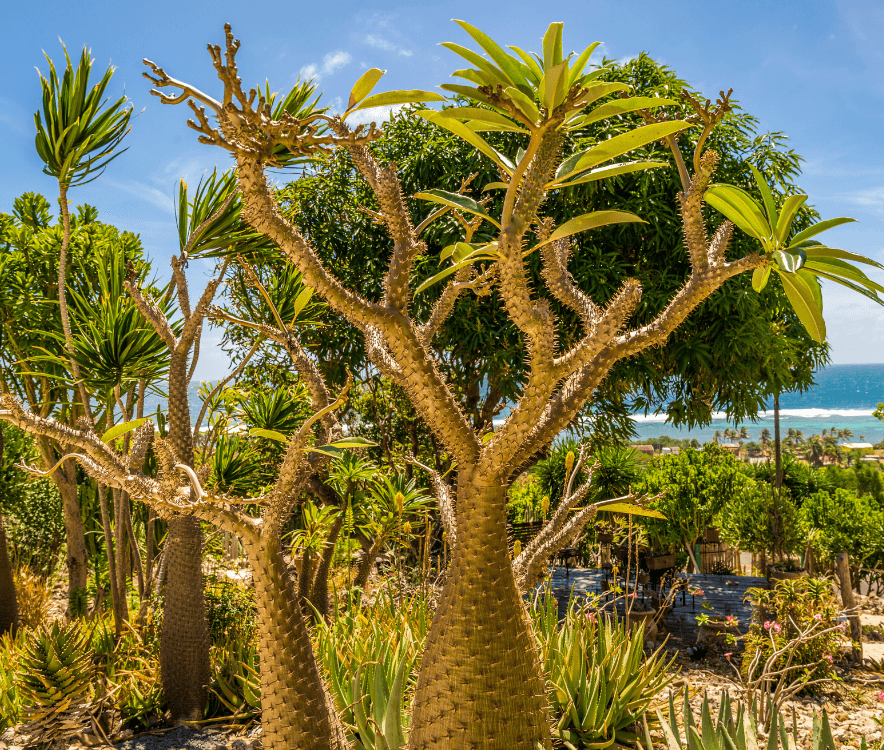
x=844, y=397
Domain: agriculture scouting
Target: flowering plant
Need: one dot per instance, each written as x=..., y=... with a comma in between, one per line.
x=802, y=610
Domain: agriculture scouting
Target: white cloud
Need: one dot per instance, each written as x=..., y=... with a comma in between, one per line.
x=160, y=199
x=379, y=42
x=330, y=63
x=373, y=114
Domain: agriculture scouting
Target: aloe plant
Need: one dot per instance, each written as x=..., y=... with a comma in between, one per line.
x=600, y=682
x=735, y=729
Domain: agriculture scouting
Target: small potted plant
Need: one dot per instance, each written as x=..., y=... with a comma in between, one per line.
x=662, y=555
x=785, y=571
x=604, y=532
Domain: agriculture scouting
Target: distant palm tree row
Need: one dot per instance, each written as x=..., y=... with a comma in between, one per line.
x=817, y=449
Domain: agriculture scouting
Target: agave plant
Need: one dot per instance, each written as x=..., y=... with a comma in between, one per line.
x=236, y=681
x=798, y=260
x=735, y=729
x=600, y=682
x=55, y=675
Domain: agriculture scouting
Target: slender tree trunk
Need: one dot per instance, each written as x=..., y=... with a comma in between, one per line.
x=120, y=542
x=296, y=710
x=481, y=686
x=364, y=572
x=184, y=663
x=778, y=458
x=117, y=601
x=75, y=536
x=184, y=646
x=848, y=601
x=8, y=599
x=319, y=596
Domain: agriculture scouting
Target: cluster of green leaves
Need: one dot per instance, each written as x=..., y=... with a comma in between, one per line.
x=760, y=518
x=845, y=522
x=697, y=484
x=781, y=613
x=600, y=682
x=703, y=368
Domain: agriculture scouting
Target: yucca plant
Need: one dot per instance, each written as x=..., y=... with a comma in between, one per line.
x=600, y=682
x=798, y=260
x=735, y=729
x=55, y=676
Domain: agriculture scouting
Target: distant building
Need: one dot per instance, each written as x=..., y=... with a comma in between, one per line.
x=732, y=447
x=673, y=451
x=647, y=449
x=857, y=446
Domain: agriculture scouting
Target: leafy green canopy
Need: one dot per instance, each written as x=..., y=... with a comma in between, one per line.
x=704, y=368
x=77, y=133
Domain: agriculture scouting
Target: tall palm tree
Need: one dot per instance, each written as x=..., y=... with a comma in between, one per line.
x=765, y=437
x=717, y=437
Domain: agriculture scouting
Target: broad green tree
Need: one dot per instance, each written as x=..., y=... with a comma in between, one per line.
x=480, y=683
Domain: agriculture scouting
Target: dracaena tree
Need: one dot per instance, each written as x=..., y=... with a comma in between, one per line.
x=480, y=683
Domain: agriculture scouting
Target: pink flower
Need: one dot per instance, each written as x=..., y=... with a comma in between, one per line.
x=633, y=596
x=828, y=658
x=817, y=617
x=775, y=626
x=729, y=654
x=731, y=620
x=590, y=616
x=881, y=696
x=696, y=592
x=767, y=625
x=842, y=626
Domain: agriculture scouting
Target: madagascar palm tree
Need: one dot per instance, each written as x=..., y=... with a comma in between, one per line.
x=8, y=598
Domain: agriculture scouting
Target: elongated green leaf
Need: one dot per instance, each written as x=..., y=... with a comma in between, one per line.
x=524, y=103
x=495, y=186
x=632, y=510
x=483, y=115
x=842, y=268
x=398, y=97
x=860, y=288
x=352, y=442
x=479, y=77
x=739, y=207
x=325, y=450
x=269, y=434
x=588, y=221
x=602, y=89
x=121, y=429
x=474, y=139
x=818, y=228
x=820, y=251
x=505, y=62
x=455, y=200
x=787, y=215
x=427, y=283
x=364, y=85
x=766, y=196
x=611, y=170
x=497, y=75
x=530, y=63
x=759, y=277
x=580, y=63
x=301, y=301
x=803, y=303
x=619, y=107
x=466, y=91
x=553, y=85
x=552, y=45
x=617, y=146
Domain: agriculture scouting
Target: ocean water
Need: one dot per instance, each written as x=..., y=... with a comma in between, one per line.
x=844, y=397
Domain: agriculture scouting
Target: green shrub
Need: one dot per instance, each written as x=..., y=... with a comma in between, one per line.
x=758, y=518
x=845, y=523
x=780, y=614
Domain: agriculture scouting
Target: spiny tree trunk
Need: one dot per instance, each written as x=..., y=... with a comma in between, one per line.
x=296, y=710
x=184, y=647
x=8, y=599
x=120, y=543
x=364, y=572
x=481, y=641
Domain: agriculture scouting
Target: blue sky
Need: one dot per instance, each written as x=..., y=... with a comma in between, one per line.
x=810, y=69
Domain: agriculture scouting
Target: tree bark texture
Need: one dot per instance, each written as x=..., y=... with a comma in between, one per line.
x=75, y=534
x=184, y=663
x=849, y=602
x=481, y=685
x=319, y=595
x=8, y=599
x=297, y=712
